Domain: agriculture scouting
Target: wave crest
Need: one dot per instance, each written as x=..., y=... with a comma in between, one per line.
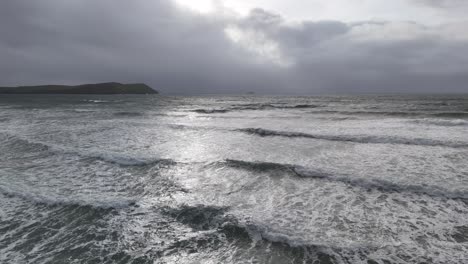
x=364, y=139
x=377, y=184
x=22, y=145
x=128, y=114
x=442, y=122
x=33, y=195
x=253, y=107
x=218, y=220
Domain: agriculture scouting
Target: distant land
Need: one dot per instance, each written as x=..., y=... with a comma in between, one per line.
x=99, y=88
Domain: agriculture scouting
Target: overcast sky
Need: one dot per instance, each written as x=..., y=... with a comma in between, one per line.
x=236, y=46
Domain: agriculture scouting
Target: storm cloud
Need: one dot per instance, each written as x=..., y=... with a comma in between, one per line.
x=178, y=51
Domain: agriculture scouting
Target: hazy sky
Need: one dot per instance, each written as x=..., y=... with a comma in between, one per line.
x=235, y=46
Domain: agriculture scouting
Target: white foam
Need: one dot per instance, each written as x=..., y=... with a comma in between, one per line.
x=324, y=214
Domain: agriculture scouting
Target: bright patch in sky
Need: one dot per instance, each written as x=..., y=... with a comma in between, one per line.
x=202, y=6
x=258, y=44
x=341, y=10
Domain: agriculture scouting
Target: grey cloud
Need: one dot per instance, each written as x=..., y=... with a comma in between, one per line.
x=262, y=18
x=180, y=52
x=92, y=41
x=373, y=56
x=301, y=34
x=443, y=3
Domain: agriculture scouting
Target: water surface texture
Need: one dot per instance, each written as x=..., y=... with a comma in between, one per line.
x=150, y=179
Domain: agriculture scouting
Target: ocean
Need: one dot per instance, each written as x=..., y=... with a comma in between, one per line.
x=233, y=179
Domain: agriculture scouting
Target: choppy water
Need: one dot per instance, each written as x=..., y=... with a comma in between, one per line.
x=135, y=179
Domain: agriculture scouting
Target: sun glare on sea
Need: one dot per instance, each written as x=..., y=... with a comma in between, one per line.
x=202, y=6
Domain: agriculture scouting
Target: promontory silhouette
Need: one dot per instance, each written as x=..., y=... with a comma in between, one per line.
x=99, y=88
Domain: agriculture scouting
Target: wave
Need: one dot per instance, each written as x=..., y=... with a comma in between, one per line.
x=254, y=107
x=442, y=122
x=128, y=114
x=14, y=143
x=26, y=145
x=369, y=113
x=380, y=185
x=245, y=232
x=119, y=158
x=210, y=111
x=302, y=106
x=169, y=115
x=260, y=166
x=272, y=106
x=80, y=110
x=451, y=114
x=197, y=217
x=32, y=195
x=193, y=128
x=396, y=113
x=365, y=139
x=203, y=218
x=99, y=101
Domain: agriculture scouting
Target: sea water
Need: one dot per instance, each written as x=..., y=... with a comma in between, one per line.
x=240, y=179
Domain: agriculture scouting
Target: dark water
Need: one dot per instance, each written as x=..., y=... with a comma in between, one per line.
x=135, y=179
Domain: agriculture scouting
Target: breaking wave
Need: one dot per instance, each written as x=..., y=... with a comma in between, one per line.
x=396, y=113
x=97, y=101
x=245, y=233
x=365, y=139
x=121, y=159
x=442, y=122
x=378, y=184
x=33, y=195
x=210, y=111
x=451, y=114
x=14, y=143
x=202, y=218
x=128, y=114
x=253, y=107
